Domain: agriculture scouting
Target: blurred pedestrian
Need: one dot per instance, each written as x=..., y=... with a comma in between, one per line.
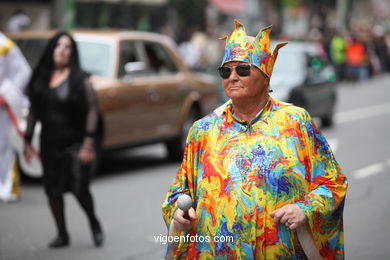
x=63, y=100
x=18, y=21
x=357, y=60
x=381, y=49
x=337, y=51
x=190, y=51
x=263, y=179
x=14, y=75
x=211, y=53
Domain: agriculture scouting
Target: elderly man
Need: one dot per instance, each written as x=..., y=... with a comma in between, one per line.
x=263, y=180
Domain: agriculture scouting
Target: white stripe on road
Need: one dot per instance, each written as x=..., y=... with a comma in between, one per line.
x=358, y=114
x=369, y=170
x=362, y=113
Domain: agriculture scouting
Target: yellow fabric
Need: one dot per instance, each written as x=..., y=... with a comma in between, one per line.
x=15, y=180
x=6, y=47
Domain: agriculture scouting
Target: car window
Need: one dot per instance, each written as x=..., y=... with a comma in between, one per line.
x=129, y=54
x=289, y=69
x=319, y=71
x=159, y=62
x=95, y=57
x=289, y=63
x=32, y=49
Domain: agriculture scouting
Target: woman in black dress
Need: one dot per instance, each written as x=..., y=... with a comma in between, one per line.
x=63, y=100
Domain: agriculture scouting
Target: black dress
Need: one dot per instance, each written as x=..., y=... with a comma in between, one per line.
x=66, y=120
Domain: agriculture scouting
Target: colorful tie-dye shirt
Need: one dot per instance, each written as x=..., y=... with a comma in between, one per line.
x=238, y=172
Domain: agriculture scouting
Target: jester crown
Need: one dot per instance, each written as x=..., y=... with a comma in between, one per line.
x=257, y=53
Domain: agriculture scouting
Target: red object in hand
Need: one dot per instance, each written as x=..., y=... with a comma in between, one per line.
x=3, y=102
x=15, y=123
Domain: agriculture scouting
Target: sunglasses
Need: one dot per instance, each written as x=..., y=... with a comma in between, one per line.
x=242, y=70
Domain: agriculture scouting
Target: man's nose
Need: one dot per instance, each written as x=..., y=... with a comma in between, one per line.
x=233, y=76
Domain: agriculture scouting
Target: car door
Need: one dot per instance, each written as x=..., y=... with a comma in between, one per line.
x=127, y=102
x=166, y=88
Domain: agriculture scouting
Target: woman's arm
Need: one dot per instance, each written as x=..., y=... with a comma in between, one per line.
x=87, y=150
x=28, y=135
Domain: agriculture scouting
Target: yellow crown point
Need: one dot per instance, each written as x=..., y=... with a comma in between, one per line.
x=239, y=47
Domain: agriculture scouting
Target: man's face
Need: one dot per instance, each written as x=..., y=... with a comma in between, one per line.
x=251, y=87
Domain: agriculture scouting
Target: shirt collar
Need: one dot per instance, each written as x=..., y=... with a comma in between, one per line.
x=231, y=117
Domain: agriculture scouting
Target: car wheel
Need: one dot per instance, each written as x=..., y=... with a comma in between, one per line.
x=327, y=119
x=176, y=146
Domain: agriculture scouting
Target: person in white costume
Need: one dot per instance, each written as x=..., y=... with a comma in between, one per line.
x=14, y=75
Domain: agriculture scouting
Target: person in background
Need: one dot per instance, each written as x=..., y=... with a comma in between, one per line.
x=18, y=21
x=357, y=59
x=14, y=75
x=337, y=51
x=263, y=179
x=381, y=49
x=189, y=51
x=63, y=99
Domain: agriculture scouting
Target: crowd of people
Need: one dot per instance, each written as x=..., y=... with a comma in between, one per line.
x=354, y=56
x=357, y=57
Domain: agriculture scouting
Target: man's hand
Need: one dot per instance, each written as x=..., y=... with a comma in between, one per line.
x=290, y=215
x=182, y=223
x=3, y=102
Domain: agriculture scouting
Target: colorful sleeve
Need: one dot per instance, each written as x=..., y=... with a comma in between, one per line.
x=183, y=183
x=324, y=203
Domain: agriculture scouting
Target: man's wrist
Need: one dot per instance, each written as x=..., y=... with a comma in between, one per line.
x=305, y=209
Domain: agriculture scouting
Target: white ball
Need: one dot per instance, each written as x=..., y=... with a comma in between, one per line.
x=184, y=202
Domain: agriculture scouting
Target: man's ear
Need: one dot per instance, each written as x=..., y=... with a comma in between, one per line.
x=266, y=80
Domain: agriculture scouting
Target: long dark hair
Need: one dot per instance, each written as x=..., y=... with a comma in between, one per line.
x=38, y=87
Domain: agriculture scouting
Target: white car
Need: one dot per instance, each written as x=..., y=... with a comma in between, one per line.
x=303, y=76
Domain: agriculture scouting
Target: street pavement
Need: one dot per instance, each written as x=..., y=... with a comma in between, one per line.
x=129, y=192
x=361, y=135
